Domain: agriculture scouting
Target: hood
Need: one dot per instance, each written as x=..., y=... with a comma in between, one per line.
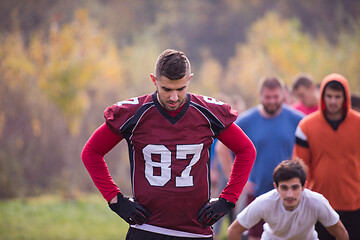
x=341, y=79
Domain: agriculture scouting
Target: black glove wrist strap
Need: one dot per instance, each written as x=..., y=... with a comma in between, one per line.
x=230, y=204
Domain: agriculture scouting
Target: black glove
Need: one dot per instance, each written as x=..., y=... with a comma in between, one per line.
x=213, y=210
x=129, y=210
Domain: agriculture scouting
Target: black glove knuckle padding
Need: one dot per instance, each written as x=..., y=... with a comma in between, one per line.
x=213, y=210
x=130, y=211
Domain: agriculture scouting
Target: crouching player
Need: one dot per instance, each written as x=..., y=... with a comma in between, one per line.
x=290, y=211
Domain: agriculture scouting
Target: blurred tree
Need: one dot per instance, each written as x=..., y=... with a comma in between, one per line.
x=60, y=66
x=45, y=90
x=341, y=56
x=81, y=63
x=326, y=17
x=278, y=47
x=187, y=25
x=194, y=25
x=139, y=62
x=125, y=19
x=80, y=67
x=207, y=80
x=24, y=114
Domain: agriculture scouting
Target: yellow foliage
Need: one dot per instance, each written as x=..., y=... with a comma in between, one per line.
x=209, y=76
x=14, y=64
x=288, y=49
x=78, y=58
x=278, y=47
x=36, y=51
x=36, y=127
x=139, y=61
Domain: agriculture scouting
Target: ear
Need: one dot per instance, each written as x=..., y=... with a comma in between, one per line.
x=275, y=185
x=153, y=78
x=191, y=75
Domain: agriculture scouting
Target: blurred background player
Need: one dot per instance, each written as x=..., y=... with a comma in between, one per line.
x=290, y=211
x=271, y=127
x=288, y=95
x=355, y=101
x=305, y=91
x=329, y=143
x=218, y=177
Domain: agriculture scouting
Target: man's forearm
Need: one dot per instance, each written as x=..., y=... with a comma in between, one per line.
x=237, y=141
x=338, y=231
x=235, y=230
x=100, y=143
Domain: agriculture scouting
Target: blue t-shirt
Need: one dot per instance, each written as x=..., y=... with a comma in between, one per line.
x=273, y=139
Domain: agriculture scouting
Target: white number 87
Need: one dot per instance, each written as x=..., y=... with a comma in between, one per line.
x=185, y=180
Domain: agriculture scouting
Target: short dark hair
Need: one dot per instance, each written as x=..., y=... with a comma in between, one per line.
x=289, y=169
x=302, y=79
x=172, y=64
x=271, y=83
x=335, y=85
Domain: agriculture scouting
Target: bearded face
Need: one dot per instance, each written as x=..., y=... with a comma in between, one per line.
x=334, y=102
x=171, y=93
x=271, y=99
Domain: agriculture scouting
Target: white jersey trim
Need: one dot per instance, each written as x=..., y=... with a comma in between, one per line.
x=300, y=134
x=170, y=232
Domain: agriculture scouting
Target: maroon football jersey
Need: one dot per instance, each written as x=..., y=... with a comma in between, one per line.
x=169, y=156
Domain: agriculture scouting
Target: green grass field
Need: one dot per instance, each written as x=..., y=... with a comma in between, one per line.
x=53, y=218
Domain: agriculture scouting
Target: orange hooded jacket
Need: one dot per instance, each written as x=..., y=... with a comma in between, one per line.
x=332, y=156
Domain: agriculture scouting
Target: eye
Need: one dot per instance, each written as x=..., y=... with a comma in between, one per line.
x=166, y=89
x=181, y=89
x=284, y=187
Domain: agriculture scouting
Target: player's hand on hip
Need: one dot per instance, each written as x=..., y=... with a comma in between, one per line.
x=213, y=210
x=129, y=210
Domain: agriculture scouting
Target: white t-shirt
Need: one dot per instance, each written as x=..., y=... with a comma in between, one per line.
x=283, y=224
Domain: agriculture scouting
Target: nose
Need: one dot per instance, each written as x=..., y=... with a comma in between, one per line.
x=272, y=100
x=333, y=100
x=289, y=193
x=173, y=96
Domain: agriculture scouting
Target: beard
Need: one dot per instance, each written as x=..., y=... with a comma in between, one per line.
x=272, y=109
x=167, y=106
x=333, y=109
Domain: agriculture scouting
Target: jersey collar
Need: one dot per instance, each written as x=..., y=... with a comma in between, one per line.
x=167, y=115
